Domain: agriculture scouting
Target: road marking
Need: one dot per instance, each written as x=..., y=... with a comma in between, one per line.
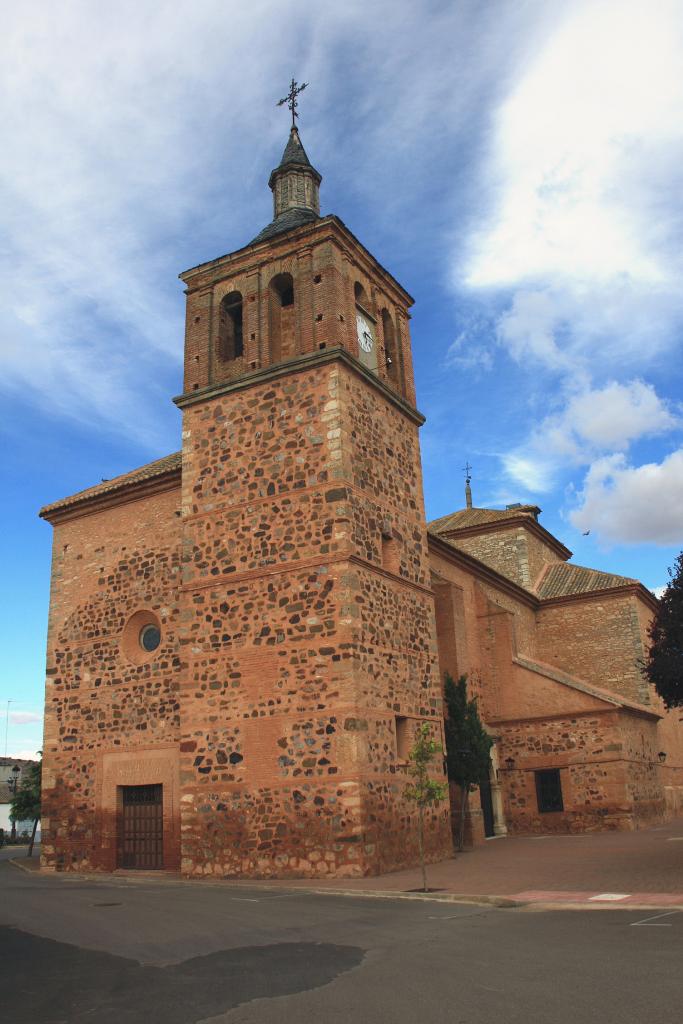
x=646, y=920
x=243, y=899
x=675, y=839
x=610, y=896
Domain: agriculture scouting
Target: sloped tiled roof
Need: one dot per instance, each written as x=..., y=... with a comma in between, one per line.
x=159, y=467
x=287, y=221
x=466, y=517
x=563, y=580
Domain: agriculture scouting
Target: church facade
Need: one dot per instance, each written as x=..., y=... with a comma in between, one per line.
x=245, y=635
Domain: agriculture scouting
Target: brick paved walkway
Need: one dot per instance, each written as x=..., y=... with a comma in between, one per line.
x=638, y=867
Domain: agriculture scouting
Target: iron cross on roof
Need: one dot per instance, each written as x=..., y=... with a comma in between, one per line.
x=467, y=469
x=291, y=99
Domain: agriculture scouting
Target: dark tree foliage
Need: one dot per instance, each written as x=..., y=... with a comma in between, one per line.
x=25, y=804
x=664, y=666
x=468, y=745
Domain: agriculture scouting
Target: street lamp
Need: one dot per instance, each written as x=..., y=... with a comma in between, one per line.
x=662, y=756
x=12, y=783
x=12, y=786
x=509, y=763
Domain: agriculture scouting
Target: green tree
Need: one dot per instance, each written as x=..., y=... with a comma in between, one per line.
x=664, y=666
x=424, y=790
x=25, y=804
x=468, y=745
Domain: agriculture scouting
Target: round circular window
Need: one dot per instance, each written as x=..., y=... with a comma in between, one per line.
x=141, y=637
x=150, y=637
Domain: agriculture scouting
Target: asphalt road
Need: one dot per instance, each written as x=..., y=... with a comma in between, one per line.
x=75, y=951
x=8, y=852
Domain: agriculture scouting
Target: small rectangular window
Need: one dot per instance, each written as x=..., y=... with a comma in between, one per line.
x=402, y=738
x=549, y=790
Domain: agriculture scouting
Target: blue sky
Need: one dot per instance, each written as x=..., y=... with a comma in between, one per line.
x=516, y=165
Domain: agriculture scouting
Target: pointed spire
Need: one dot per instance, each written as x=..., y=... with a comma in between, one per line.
x=294, y=152
x=295, y=183
x=468, y=489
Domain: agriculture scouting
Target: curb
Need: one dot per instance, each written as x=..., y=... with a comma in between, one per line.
x=387, y=894
x=141, y=878
x=601, y=906
x=237, y=884
x=23, y=867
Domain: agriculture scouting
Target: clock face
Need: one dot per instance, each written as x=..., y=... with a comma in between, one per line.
x=365, y=339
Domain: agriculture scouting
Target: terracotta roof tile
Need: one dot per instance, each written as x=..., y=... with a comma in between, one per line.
x=563, y=580
x=159, y=467
x=466, y=517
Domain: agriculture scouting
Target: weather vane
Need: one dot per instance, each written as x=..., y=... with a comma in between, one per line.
x=291, y=99
x=467, y=470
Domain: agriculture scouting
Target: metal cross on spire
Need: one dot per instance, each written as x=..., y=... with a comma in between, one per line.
x=468, y=490
x=291, y=99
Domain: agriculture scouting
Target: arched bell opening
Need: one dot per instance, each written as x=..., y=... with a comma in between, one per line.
x=282, y=318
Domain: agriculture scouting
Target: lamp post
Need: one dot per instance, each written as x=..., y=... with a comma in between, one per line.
x=7, y=724
x=12, y=786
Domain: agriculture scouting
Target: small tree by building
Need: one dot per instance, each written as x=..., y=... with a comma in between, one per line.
x=664, y=666
x=468, y=745
x=25, y=804
x=424, y=790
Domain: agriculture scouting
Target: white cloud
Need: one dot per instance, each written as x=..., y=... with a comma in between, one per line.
x=603, y=93
x=593, y=422
x=627, y=504
x=615, y=415
x=136, y=131
x=24, y=717
x=527, y=329
x=467, y=354
x=584, y=168
x=21, y=717
x=529, y=469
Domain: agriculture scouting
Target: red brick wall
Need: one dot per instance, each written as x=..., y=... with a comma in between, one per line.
x=324, y=265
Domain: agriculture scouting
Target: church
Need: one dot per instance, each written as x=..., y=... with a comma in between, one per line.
x=245, y=634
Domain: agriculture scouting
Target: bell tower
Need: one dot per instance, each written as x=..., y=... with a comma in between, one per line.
x=308, y=637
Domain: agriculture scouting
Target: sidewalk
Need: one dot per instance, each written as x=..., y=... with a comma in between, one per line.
x=602, y=869
x=644, y=867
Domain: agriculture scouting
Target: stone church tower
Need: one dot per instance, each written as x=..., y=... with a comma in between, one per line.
x=308, y=624
x=272, y=648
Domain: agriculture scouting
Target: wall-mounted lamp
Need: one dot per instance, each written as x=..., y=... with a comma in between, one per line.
x=509, y=763
x=662, y=756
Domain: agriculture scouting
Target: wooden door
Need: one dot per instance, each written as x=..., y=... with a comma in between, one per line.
x=486, y=801
x=141, y=835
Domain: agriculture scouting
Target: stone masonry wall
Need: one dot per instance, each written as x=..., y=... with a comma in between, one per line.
x=608, y=767
x=599, y=639
x=101, y=698
x=504, y=549
x=302, y=647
